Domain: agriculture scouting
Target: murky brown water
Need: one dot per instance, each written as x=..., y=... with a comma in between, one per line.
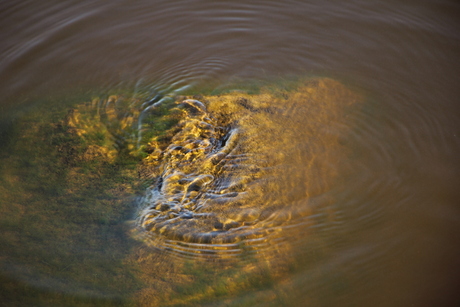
x=386, y=233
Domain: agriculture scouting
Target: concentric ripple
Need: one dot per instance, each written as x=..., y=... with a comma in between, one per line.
x=240, y=171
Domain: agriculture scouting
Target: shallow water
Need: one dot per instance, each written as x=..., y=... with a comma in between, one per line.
x=384, y=232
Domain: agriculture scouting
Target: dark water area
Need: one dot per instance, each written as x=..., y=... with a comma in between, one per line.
x=385, y=231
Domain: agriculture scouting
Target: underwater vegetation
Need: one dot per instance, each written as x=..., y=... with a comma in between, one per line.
x=235, y=178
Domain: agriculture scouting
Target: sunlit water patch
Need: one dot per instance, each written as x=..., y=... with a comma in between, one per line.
x=243, y=170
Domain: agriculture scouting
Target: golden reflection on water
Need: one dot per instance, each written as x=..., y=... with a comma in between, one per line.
x=264, y=156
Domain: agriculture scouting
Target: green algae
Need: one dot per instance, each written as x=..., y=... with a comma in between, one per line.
x=63, y=211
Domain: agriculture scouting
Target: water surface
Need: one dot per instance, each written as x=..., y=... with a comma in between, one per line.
x=384, y=232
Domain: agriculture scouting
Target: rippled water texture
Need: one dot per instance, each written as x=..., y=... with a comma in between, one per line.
x=234, y=176
x=314, y=161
